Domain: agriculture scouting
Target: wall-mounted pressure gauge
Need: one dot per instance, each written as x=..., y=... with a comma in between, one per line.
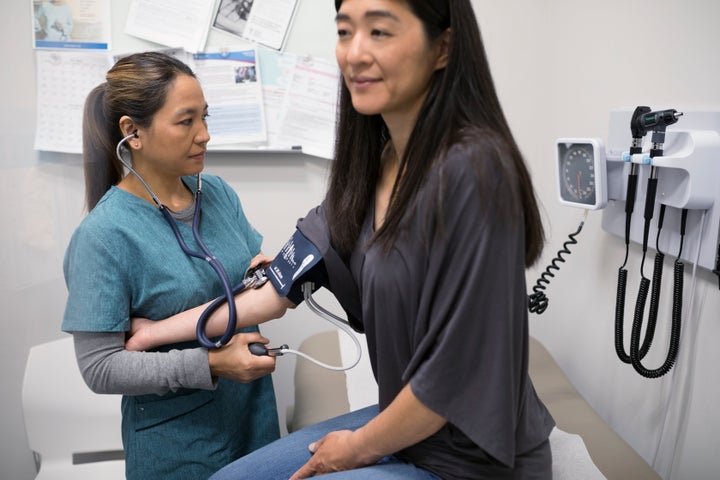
x=581, y=172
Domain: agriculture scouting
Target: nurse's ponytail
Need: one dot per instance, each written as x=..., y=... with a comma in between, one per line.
x=102, y=168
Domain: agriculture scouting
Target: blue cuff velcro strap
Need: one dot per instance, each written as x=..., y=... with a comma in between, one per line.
x=296, y=258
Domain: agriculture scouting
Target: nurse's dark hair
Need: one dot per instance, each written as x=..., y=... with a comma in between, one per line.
x=462, y=108
x=135, y=86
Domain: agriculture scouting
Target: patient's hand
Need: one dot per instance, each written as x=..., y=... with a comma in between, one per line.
x=138, y=338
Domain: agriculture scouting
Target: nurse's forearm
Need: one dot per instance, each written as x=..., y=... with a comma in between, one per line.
x=253, y=307
x=405, y=422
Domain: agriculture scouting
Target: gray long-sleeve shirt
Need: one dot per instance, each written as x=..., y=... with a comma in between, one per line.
x=108, y=368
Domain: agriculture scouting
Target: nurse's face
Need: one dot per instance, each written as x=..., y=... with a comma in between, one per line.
x=176, y=141
x=385, y=57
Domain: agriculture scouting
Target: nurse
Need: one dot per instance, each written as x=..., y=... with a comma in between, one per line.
x=428, y=225
x=185, y=411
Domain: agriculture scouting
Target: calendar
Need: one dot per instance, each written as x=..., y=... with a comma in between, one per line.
x=64, y=79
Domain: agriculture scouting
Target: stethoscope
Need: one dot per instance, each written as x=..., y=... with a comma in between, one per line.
x=253, y=278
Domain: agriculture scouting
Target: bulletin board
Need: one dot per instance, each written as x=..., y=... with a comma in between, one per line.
x=265, y=93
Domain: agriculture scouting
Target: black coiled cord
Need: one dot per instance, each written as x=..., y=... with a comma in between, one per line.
x=674, y=345
x=538, y=300
x=620, y=313
x=642, y=292
x=622, y=271
x=641, y=301
x=636, y=353
x=640, y=352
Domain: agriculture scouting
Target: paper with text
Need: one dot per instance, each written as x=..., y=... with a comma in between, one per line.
x=310, y=107
x=269, y=22
x=232, y=86
x=171, y=23
x=264, y=22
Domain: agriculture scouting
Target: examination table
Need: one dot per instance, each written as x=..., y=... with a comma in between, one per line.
x=584, y=446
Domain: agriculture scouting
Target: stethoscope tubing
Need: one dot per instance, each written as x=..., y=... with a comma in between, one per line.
x=204, y=254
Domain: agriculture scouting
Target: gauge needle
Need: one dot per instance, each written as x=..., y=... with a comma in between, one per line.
x=579, y=191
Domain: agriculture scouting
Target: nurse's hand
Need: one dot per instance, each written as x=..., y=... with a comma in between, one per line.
x=234, y=360
x=260, y=259
x=335, y=452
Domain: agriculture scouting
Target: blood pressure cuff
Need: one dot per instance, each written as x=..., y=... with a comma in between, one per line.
x=298, y=262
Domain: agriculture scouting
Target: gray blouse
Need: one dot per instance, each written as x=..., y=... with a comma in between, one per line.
x=446, y=311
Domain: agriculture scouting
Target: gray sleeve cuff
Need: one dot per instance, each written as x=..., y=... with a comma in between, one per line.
x=108, y=368
x=197, y=368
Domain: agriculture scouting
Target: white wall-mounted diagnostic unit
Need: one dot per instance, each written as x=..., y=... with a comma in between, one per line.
x=593, y=174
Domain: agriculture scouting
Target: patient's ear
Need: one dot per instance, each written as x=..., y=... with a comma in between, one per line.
x=444, y=50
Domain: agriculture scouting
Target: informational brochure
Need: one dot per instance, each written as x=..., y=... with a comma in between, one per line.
x=71, y=24
x=230, y=79
x=265, y=22
x=310, y=107
x=171, y=23
x=64, y=79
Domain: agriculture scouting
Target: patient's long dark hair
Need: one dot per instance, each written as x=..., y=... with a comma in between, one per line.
x=462, y=105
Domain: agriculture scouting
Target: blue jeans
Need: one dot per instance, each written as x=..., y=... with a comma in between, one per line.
x=284, y=457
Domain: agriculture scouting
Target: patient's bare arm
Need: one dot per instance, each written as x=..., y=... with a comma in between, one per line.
x=253, y=307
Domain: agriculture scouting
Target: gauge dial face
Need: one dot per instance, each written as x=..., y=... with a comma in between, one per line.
x=577, y=168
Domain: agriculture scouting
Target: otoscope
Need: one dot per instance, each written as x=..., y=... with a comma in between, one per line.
x=639, y=130
x=638, y=133
x=658, y=122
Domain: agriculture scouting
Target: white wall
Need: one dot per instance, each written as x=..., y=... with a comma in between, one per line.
x=560, y=66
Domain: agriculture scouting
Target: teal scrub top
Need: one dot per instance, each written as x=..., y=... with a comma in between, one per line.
x=124, y=261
